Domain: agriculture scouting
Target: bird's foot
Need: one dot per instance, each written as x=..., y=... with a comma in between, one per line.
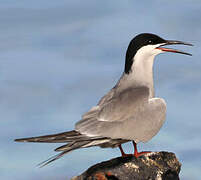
x=137, y=154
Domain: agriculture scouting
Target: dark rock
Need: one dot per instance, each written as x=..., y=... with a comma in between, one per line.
x=152, y=166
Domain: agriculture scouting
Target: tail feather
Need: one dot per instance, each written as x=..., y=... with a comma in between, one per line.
x=51, y=159
x=89, y=143
x=74, y=140
x=64, y=137
x=69, y=147
x=55, y=138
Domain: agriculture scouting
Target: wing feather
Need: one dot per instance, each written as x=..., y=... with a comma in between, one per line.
x=107, y=120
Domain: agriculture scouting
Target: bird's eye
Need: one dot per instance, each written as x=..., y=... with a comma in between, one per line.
x=150, y=41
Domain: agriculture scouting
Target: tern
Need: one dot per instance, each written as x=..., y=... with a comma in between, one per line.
x=128, y=112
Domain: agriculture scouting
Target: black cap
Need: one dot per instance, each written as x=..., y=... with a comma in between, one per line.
x=136, y=43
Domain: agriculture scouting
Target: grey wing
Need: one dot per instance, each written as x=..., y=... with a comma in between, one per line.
x=128, y=115
x=92, y=113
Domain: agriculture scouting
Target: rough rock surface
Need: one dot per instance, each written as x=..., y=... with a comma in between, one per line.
x=152, y=166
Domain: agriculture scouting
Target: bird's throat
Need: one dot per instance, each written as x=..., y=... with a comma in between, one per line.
x=142, y=73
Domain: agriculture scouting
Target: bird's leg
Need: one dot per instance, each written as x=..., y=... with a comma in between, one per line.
x=122, y=152
x=136, y=153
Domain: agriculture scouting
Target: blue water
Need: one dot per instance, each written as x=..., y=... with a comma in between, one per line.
x=57, y=58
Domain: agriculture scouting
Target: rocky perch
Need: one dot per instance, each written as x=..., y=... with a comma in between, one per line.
x=152, y=166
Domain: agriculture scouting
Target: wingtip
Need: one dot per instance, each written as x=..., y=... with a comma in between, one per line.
x=18, y=140
x=22, y=140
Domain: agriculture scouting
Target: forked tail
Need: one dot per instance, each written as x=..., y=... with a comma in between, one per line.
x=74, y=140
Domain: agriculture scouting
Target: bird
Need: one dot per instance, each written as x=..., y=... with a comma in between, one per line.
x=128, y=112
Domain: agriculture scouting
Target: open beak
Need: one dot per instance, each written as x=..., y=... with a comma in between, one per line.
x=172, y=42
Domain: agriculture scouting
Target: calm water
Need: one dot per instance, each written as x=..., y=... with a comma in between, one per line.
x=58, y=58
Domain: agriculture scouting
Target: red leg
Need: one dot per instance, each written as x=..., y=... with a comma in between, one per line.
x=136, y=153
x=122, y=152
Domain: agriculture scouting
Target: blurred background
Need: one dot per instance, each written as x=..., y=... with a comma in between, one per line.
x=58, y=58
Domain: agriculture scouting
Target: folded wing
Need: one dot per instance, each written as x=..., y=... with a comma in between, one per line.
x=129, y=115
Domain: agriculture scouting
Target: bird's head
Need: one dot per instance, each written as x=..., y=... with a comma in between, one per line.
x=149, y=45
